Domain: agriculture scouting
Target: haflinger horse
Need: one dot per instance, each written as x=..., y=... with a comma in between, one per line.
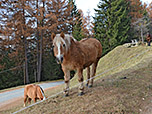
x=76, y=55
x=34, y=92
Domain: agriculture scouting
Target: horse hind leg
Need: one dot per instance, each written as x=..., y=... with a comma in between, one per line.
x=34, y=99
x=80, y=79
x=88, y=76
x=29, y=100
x=94, y=67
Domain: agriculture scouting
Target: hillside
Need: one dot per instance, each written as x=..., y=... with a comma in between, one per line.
x=121, y=58
x=122, y=87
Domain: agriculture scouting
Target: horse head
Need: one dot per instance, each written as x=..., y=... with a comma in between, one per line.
x=61, y=44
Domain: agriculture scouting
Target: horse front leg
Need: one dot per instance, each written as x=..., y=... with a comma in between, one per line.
x=80, y=79
x=88, y=76
x=25, y=99
x=67, y=82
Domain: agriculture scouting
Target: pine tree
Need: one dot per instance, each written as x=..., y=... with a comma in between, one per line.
x=102, y=24
x=112, y=23
x=120, y=22
x=77, y=27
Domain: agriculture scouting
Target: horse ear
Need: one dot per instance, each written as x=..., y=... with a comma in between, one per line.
x=62, y=35
x=52, y=36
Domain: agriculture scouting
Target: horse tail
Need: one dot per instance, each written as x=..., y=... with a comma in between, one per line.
x=42, y=92
x=100, y=50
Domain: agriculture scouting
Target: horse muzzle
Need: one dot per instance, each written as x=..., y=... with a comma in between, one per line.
x=59, y=60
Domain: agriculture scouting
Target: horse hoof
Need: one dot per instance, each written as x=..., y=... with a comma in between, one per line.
x=86, y=85
x=81, y=93
x=66, y=95
x=90, y=86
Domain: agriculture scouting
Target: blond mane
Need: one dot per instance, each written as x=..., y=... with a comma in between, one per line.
x=67, y=40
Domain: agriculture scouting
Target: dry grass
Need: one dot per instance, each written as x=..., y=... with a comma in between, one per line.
x=122, y=90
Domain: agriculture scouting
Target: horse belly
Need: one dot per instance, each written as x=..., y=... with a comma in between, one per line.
x=87, y=64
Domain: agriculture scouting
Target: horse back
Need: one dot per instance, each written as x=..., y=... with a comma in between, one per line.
x=92, y=47
x=33, y=91
x=30, y=91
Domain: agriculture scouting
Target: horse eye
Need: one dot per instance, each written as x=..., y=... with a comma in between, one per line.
x=63, y=45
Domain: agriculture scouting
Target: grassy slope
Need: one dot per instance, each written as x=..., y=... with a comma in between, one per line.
x=120, y=55
x=111, y=93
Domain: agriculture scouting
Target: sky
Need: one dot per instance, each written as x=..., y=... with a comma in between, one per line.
x=84, y=5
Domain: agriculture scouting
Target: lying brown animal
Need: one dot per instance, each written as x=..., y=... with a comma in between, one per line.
x=34, y=92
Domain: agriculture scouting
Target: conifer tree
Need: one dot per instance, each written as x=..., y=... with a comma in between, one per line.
x=120, y=22
x=102, y=24
x=112, y=23
x=77, y=27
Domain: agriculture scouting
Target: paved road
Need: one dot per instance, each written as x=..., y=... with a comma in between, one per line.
x=5, y=96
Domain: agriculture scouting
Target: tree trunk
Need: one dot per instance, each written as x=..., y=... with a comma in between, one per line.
x=39, y=46
x=26, y=62
x=142, y=38
x=38, y=55
x=25, y=48
x=40, y=58
x=24, y=74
